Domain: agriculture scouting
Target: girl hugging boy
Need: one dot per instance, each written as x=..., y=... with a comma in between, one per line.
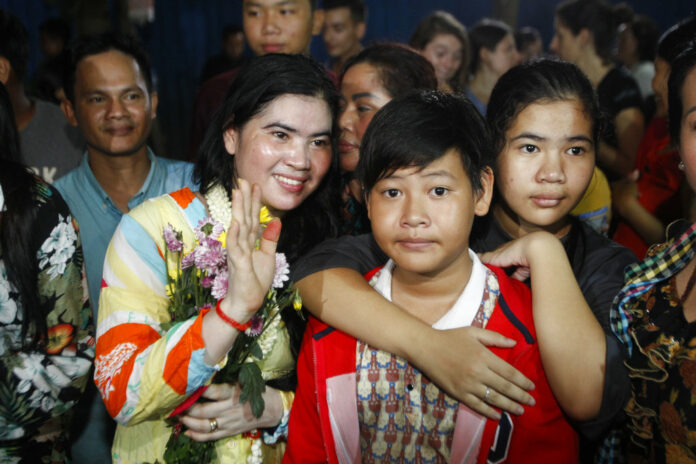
x=424, y=180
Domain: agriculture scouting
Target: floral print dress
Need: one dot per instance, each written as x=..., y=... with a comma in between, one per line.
x=40, y=382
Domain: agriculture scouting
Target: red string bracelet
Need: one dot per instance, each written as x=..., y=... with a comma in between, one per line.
x=229, y=320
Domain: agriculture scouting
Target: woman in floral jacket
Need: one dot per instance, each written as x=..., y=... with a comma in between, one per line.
x=46, y=346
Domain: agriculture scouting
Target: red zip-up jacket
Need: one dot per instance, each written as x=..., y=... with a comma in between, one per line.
x=324, y=419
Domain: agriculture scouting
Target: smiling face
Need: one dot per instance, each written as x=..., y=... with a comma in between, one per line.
x=444, y=52
x=280, y=26
x=112, y=106
x=422, y=217
x=342, y=35
x=285, y=150
x=363, y=95
x=544, y=168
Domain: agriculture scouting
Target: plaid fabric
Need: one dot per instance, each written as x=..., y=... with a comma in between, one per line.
x=662, y=262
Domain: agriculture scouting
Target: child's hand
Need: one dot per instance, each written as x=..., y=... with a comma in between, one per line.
x=250, y=270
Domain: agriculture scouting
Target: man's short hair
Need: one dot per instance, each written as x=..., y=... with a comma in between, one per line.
x=357, y=8
x=86, y=46
x=14, y=43
x=415, y=130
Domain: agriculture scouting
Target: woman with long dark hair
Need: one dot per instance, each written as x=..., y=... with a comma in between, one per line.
x=46, y=346
x=270, y=144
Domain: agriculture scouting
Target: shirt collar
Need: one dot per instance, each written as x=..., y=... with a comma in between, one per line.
x=156, y=171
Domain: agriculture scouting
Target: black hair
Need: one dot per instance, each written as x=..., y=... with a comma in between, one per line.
x=56, y=28
x=18, y=219
x=442, y=22
x=676, y=39
x=646, y=33
x=14, y=43
x=419, y=128
x=487, y=33
x=400, y=69
x=684, y=64
x=259, y=83
x=597, y=16
x=538, y=81
x=85, y=46
x=526, y=36
x=230, y=30
x=358, y=10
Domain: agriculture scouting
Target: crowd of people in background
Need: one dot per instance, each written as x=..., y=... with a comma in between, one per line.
x=490, y=242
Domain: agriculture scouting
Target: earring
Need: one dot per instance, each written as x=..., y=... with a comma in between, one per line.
x=681, y=166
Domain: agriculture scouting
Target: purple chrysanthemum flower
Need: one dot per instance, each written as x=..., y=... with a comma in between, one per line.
x=282, y=270
x=173, y=238
x=207, y=281
x=256, y=326
x=209, y=255
x=219, y=288
x=188, y=260
x=208, y=227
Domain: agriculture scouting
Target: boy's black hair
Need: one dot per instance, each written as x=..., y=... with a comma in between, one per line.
x=415, y=130
x=358, y=11
x=14, y=43
x=538, y=81
x=684, y=64
x=85, y=46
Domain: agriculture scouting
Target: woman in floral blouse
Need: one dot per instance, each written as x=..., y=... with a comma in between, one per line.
x=46, y=346
x=655, y=312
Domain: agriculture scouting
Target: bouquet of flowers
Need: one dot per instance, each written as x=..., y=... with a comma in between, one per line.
x=198, y=280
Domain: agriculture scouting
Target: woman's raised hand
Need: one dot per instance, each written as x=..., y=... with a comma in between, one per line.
x=250, y=270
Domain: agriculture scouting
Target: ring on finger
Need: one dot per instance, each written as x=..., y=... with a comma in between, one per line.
x=485, y=397
x=213, y=425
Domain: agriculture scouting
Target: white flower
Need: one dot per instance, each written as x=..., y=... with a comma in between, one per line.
x=8, y=306
x=57, y=249
x=282, y=270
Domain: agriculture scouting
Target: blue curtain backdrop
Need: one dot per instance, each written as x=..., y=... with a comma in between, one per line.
x=186, y=32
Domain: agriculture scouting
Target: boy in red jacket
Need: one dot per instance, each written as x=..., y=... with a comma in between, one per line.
x=425, y=170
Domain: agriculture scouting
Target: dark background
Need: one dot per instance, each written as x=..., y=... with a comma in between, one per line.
x=185, y=32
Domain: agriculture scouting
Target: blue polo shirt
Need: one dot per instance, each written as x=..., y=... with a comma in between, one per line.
x=98, y=216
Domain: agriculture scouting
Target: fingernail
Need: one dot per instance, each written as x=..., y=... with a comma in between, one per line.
x=531, y=402
x=519, y=410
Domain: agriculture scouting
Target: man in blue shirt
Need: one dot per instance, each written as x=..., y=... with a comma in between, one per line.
x=110, y=99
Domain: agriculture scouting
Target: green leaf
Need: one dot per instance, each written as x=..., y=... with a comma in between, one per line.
x=253, y=386
x=255, y=351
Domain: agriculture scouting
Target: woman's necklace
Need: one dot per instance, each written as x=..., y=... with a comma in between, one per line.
x=219, y=205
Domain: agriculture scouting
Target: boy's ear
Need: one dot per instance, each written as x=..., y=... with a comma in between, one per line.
x=485, y=194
